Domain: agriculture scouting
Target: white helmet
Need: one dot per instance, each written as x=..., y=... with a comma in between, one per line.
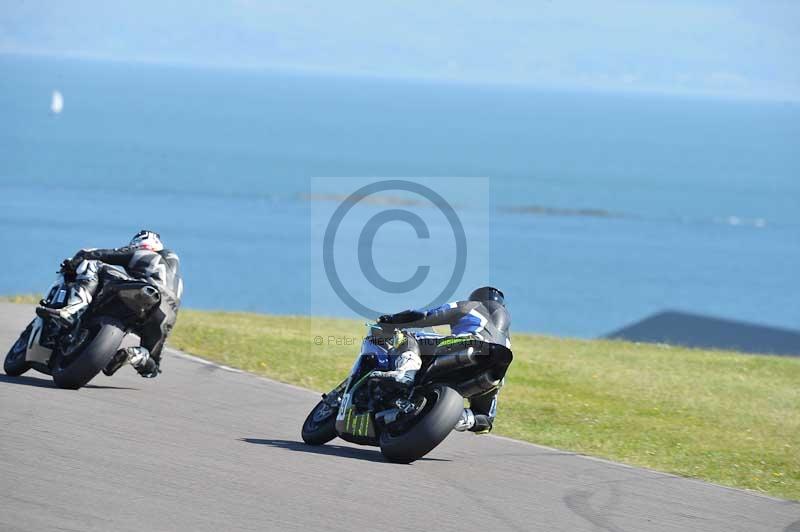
x=147, y=240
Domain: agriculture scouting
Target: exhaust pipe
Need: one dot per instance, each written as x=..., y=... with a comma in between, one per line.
x=461, y=359
x=478, y=385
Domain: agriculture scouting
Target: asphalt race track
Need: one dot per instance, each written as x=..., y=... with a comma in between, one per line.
x=203, y=448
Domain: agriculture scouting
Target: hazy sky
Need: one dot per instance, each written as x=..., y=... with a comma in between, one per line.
x=729, y=47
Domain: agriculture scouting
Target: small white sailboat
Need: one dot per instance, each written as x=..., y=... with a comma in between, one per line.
x=57, y=103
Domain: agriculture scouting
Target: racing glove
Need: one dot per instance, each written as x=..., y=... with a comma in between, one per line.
x=407, y=316
x=69, y=266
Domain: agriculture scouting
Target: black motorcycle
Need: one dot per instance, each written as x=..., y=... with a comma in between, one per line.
x=406, y=422
x=73, y=355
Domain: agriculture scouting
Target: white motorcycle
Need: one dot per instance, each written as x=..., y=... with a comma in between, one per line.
x=74, y=355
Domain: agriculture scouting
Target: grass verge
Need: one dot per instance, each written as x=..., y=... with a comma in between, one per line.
x=31, y=299
x=724, y=417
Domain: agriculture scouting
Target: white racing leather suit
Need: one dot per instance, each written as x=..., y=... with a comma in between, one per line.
x=98, y=266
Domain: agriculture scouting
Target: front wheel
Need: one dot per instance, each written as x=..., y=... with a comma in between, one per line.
x=320, y=426
x=441, y=412
x=100, y=344
x=15, y=363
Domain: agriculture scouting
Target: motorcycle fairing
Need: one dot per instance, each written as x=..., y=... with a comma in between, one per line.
x=35, y=352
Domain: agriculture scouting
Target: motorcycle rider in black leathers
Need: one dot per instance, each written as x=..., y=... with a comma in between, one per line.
x=143, y=259
x=481, y=320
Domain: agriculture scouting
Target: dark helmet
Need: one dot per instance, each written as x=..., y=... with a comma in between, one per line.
x=487, y=293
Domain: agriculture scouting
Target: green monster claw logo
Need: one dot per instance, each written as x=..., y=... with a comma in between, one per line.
x=358, y=425
x=399, y=337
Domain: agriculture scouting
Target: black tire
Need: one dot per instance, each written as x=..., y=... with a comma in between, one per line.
x=436, y=421
x=320, y=426
x=15, y=364
x=77, y=370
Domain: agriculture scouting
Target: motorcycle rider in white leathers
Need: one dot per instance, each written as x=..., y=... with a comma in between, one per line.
x=146, y=259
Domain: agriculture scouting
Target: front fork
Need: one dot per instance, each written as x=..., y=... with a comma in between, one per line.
x=334, y=397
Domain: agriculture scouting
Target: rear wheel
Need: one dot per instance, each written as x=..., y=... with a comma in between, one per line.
x=440, y=413
x=15, y=363
x=94, y=351
x=320, y=425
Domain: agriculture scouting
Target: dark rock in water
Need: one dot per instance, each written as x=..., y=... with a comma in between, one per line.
x=693, y=330
x=559, y=211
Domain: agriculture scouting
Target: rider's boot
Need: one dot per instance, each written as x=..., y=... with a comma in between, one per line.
x=144, y=364
x=483, y=409
x=466, y=422
x=483, y=424
x=477, y=423
x=139, y=357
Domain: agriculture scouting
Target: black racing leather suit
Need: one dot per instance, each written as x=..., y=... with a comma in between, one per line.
x=486, y=321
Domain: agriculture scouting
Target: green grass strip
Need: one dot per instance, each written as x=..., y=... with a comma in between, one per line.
x=724, y=417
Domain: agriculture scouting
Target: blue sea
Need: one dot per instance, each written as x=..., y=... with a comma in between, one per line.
x=599, y=208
